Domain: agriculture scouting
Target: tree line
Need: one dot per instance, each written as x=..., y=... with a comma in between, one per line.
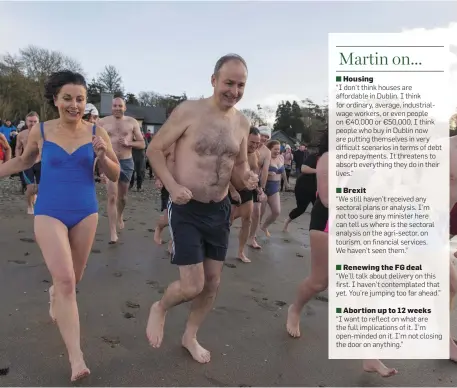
x=22, y=78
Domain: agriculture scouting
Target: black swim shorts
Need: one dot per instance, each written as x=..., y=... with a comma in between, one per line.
x=245, y=196
x=32, y=175
x=319, y=216
x=199, y=230
x=164, y=195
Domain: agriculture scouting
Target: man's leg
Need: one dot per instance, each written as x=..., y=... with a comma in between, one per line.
x=190, y=284
x=112, y=210
x=245, y=214
x=200, y=308
x=122, y=190
x=29, y=179
x=161, y=224
x=255, y=220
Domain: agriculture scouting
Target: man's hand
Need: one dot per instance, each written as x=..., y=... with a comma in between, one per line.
x=180, y=195
x=251, y=180
x=235, y=196
x=158, y=184
x=125, y=143
x=262, y=197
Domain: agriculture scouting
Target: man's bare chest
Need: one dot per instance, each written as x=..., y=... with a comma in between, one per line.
x=119, y=131
x=216, y=140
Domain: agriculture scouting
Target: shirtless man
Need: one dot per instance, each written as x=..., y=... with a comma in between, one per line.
x=31, y=177
x=210, y=138
x=243, y=201
x=125, y=134
x=164, y=197
x=264, y=163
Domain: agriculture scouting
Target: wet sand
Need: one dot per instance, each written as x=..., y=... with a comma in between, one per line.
x=245, y=331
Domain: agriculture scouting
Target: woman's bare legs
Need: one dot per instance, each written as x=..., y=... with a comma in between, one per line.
x=316, y=282
x=274, y=202
x=66, y=254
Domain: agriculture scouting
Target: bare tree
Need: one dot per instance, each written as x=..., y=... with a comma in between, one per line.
x=149, y=98
x=253, y=117
x=111, y=81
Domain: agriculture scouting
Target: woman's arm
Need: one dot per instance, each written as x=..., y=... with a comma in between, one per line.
x=108, y=164
x=28, y=157
x=322, y=179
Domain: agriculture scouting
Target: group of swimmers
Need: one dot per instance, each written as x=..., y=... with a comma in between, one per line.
x=212, y=168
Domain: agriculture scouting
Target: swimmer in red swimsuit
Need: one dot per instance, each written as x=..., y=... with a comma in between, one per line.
x=5, y=149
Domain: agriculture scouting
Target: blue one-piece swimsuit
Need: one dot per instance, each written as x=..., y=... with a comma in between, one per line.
x=67, y=188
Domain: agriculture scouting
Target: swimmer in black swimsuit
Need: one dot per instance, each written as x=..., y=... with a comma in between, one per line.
x=317, y=281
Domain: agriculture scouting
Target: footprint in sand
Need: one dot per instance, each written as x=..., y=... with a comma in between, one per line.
x=17, y=261
x=129, y=315
x=96, y=251
x=299, y=255
x=131, y=229
x=286, y=240
x=230, y=265
x=113, y=341
x=151, y=230
x=29, y=240
x=142, y=223
x=117, y=274
x=321, y=298
x=26, y=254
x=280, y=303
x=132, y=305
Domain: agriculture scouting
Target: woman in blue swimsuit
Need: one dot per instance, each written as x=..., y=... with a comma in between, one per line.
x=66, y=211
x=276, y=172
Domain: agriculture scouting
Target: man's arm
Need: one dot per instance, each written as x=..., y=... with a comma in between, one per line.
x=169, y=133
x=19, y=145
x=241, y=166
x=138, y=143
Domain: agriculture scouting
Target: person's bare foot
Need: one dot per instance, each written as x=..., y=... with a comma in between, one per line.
x=286, y=225
x=170, y=247
x=79, y=370
x=120, y=223
x=293, y=322
x=156, y=323
x=376, y=366
x=114, y=238
x=267, y=233
x=157, y=238
x=243, y=257
x=198, y=353
x=51, y=304
x=253, y=243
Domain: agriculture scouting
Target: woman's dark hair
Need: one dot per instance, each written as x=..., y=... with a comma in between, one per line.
x=58, y=79
x=273, y=143
x=323, y=143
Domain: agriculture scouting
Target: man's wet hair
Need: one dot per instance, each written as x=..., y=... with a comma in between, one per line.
x=227, y=58
x=254, y=131
x=57, y=80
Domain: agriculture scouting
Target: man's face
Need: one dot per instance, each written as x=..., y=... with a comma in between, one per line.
x=31, y=121
x=253, y=143
x=118, y=108
x=302, y=148
x=264, y=139
x=229, y=83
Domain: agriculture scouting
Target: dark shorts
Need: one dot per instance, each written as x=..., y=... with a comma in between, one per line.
x=319, y=216
x=246, y=196
x=127, y=168
x=199, y=230
x=164, y=195
x=32, y=175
